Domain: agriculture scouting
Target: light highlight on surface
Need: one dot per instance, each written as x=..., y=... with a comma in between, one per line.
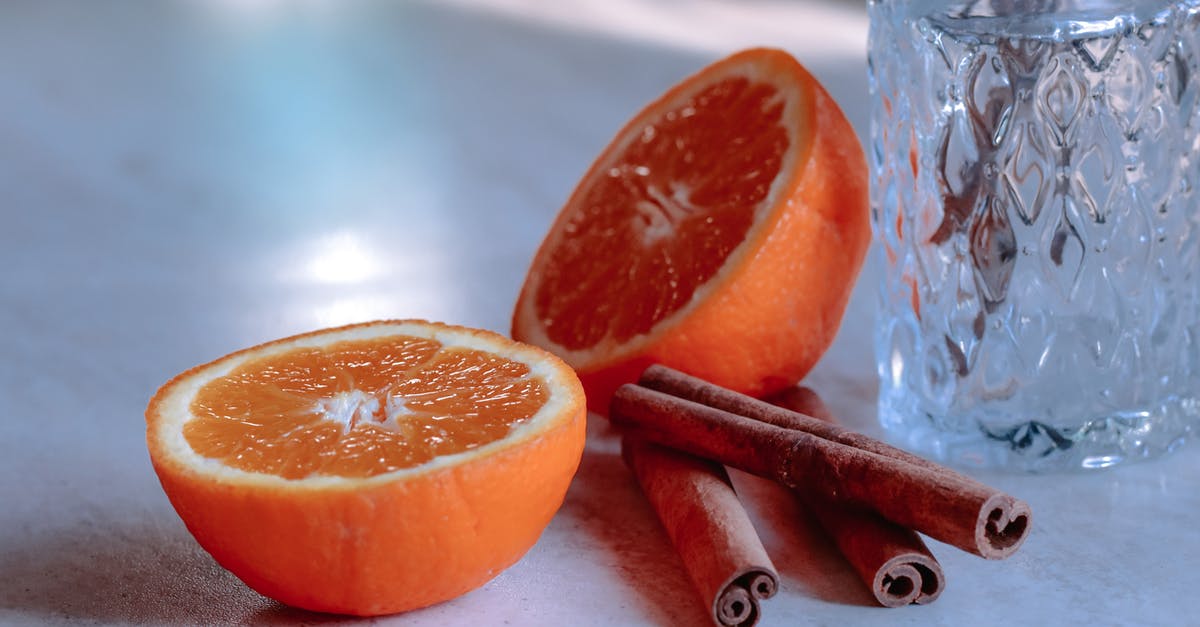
x=342, y=258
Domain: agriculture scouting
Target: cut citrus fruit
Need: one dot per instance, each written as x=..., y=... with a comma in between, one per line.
x=373, y=468
x=720, y=233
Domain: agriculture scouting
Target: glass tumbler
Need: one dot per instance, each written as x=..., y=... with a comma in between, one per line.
x=1035, y=165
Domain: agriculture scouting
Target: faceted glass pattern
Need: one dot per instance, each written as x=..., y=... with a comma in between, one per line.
x=1035, y=170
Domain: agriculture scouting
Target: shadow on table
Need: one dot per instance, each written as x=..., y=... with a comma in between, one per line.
x=807, y=559
x=610, y=512
x=119, y=573
x=136, y=574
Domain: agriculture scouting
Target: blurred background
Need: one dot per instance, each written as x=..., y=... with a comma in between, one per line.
x=329, y=153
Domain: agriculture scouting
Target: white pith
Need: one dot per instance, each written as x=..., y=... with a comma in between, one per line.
x=347, y=409
x=174, y=409
x=661, y=225
x=666, y=212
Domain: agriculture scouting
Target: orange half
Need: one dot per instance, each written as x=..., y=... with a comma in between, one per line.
x=720, y=233
x=373, y=468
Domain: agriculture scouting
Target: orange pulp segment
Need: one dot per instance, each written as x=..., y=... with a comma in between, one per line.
x=683, y=191
x=359, y=408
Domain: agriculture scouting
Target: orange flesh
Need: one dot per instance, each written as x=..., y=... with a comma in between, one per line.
x=360, y=408
x=716, y=156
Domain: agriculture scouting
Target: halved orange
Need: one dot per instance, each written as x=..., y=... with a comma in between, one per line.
x=720, y=233
x=373, y=468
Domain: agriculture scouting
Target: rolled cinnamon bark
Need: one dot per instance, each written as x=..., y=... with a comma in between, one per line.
x=710, y=529
x=891, y=560
x=676, y=383
x=940, y=504
x=1007, y=523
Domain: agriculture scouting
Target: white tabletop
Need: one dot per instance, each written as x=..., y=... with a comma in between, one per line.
x=179, y=180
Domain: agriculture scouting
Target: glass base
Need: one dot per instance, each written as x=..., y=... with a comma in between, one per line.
x=999, y=442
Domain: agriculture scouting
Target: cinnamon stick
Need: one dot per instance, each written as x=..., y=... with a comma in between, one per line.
x=676, y=383
x=940, y=504
x=710, y=530
x=892, y=561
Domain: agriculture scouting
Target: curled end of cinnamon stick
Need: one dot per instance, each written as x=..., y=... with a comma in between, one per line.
x=909, y=578
x=1002, y=527
x=737, y=603
x=762, y=584
x=932, y=580
x=896, y=585
x=735, y=607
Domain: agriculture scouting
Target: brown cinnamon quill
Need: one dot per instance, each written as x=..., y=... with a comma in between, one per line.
x=922, y=496
x=891, y=560
x=710, y=530
x=676, y=383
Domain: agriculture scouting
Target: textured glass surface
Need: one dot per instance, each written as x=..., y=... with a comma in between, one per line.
x=1035, y=167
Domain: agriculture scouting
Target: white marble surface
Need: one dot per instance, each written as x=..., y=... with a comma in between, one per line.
x=178, y=180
